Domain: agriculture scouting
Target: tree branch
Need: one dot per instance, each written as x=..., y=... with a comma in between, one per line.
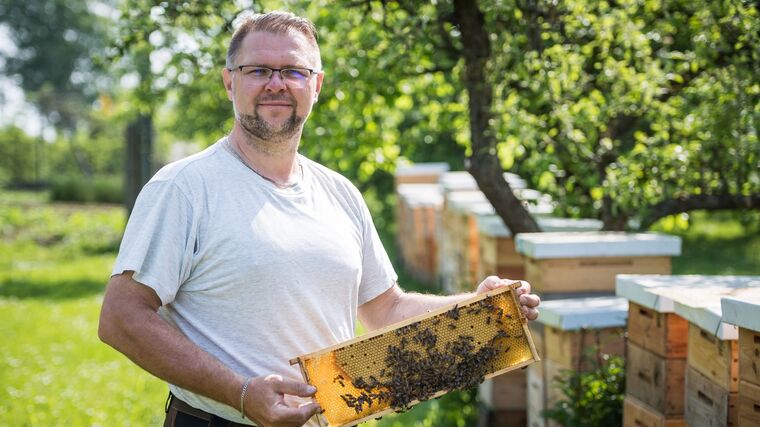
x=693, y=202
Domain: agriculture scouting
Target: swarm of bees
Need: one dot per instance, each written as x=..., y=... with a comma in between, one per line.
x=418, y=365
x=393, y=369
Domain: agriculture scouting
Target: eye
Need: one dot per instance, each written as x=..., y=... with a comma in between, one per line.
x=295, y=73
x=257, y=71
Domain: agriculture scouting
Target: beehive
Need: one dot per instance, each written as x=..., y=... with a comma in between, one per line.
x=587, y=262
x=742, y=312
x=681, y=362
x=394, y=368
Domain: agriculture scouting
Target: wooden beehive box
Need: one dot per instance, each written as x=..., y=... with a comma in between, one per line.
x=637, y=414
x=565, y=262
x=466, y=207
x=418, y=217
x=426, y=356
x=452, y=185
x=744, y=312
x=565, y=331
x=712, y=377
x=656, y=381
x=462, y=236
x=420, y=173
x=503, y=400
x=498, y=254
x=749, y=404
x=657, y=346
x=496, y=246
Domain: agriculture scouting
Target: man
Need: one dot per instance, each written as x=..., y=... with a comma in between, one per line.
x=246, y=255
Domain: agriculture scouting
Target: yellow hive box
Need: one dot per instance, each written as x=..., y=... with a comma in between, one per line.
x=396, y=367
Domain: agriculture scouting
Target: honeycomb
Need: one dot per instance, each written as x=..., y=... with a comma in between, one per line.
x=396, y=367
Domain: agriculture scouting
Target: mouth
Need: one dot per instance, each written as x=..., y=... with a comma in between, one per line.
x=275, y=103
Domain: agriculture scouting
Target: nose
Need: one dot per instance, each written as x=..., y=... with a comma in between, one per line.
x=275, y=83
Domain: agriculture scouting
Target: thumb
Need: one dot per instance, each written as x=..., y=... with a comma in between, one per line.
x=295, y=388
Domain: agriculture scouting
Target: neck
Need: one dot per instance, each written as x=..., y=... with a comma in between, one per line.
x=278, y=166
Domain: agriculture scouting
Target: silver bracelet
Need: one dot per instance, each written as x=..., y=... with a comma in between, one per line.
x=242, y=396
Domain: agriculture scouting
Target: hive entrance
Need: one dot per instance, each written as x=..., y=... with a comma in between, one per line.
x=396, y=367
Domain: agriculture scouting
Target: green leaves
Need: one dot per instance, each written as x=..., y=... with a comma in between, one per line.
x=592, y=398
x=591, y=99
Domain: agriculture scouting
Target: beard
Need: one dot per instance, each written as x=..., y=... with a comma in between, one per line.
x=260, y=129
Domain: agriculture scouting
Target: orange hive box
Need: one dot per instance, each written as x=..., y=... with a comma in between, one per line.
x=396, y=367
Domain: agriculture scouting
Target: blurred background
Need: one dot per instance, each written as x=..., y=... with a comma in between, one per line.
x=641, y=114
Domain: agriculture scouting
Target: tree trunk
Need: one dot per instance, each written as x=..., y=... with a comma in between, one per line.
x=139, y=144
x=484, y=165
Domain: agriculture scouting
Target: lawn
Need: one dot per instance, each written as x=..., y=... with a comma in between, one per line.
x=55, y=261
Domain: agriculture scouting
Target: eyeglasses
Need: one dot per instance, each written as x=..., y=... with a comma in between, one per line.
x=293, y=76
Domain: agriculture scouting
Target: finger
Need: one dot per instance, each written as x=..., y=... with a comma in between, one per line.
x=296, y=416
x=525, y=286
x=296, y=388
x=521, y=287
x=491, y=282
x=530, y=301
x=529, y=313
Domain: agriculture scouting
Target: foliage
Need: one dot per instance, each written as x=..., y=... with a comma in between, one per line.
x=716, y=243
x=456, y=409
x=593, y=398
x=19, y=156
x=57, y=60
x=57, y=41
x=67, y=229
x=614, y=107
x=102, y=189
x=374, y=107
x=93, y=148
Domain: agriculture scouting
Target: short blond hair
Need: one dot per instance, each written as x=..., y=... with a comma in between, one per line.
x=278, y=22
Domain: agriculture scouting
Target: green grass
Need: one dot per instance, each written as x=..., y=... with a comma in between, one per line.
x=716, y=243
x=55, y=372
x=55, y=261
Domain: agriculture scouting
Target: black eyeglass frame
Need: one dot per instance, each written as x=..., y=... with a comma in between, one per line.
x=272, y=70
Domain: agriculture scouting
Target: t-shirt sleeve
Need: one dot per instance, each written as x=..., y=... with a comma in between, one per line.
x=378, y=274
x=159, y=240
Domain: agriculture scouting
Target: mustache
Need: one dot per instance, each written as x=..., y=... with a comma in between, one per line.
x=267, y=98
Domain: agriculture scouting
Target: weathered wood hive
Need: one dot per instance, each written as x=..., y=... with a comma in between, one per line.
x=396, y=367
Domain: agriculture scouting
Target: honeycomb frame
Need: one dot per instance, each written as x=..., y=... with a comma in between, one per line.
x=426, y=356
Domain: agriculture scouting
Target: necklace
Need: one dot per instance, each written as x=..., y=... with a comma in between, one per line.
x=228, y=146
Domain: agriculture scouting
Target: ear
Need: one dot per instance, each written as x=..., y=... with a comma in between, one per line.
x=320, y=78
x=227, y=80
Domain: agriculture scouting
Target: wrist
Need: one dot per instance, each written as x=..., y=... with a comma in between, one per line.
x=244, y=389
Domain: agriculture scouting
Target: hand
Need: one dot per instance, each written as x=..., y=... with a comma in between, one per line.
x=528, y=301
x=274, y=401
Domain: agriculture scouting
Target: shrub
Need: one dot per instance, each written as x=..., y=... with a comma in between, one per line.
x=592, y=398
x=100, y=189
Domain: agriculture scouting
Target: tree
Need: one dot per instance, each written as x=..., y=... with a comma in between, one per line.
x=619, y=110
x=625, y=110
x=633, y=109
x=58, y=43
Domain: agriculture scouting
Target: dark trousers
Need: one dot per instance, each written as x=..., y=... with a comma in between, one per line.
x=180, y=414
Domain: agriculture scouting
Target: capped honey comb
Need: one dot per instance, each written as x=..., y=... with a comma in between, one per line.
x=396, y=367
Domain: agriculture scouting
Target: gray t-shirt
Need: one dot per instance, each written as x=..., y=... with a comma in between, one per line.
x=254, y=274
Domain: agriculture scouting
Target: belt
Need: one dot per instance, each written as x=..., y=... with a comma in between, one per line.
x=175, y=407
